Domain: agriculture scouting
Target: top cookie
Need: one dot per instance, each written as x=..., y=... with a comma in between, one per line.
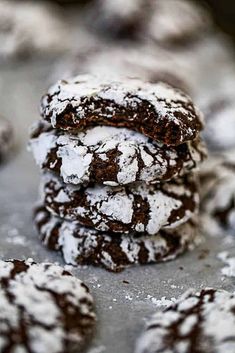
x=218, y=193
x=158, y=111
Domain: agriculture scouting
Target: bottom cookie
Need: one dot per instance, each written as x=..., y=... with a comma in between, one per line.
x=86, y=246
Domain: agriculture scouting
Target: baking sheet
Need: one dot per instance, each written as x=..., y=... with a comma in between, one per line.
x=122, y=300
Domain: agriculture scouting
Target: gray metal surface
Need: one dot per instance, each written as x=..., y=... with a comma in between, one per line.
x=122, y=300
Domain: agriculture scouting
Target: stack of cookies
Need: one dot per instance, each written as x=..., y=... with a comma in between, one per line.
x=119, y=159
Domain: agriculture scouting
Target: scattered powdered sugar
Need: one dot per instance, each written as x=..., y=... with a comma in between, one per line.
x=161, y=302
x=13, y=235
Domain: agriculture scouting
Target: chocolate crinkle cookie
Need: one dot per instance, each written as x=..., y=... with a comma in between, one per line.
x=156, y=110
x=197, y=323
x=218, y=192
x=112, y=156
x=86, y=246
x=157, y=20
x=6, y=138
x=133, y=208
x=120, y=160
x=30, y=27
x=43, y=308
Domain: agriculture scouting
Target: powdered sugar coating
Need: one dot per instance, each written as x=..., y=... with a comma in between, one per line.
x=139, y=208
x=43, y=309
x=156, y=110
x=80, y=245
x=197, y=323
x=112, y=156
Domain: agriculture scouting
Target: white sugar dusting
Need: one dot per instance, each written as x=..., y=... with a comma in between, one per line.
x=209, y=316
x=106, y=204
x=165, y=101
x=163, y=302
x=78, y=242
x=79, y=152
x=32, y=291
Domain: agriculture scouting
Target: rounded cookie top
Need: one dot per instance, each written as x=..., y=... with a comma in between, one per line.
x=197, y=323
x=111, y=156
x=86, y=246
x=43, y=309
x=157, y=110
x=133, y=208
